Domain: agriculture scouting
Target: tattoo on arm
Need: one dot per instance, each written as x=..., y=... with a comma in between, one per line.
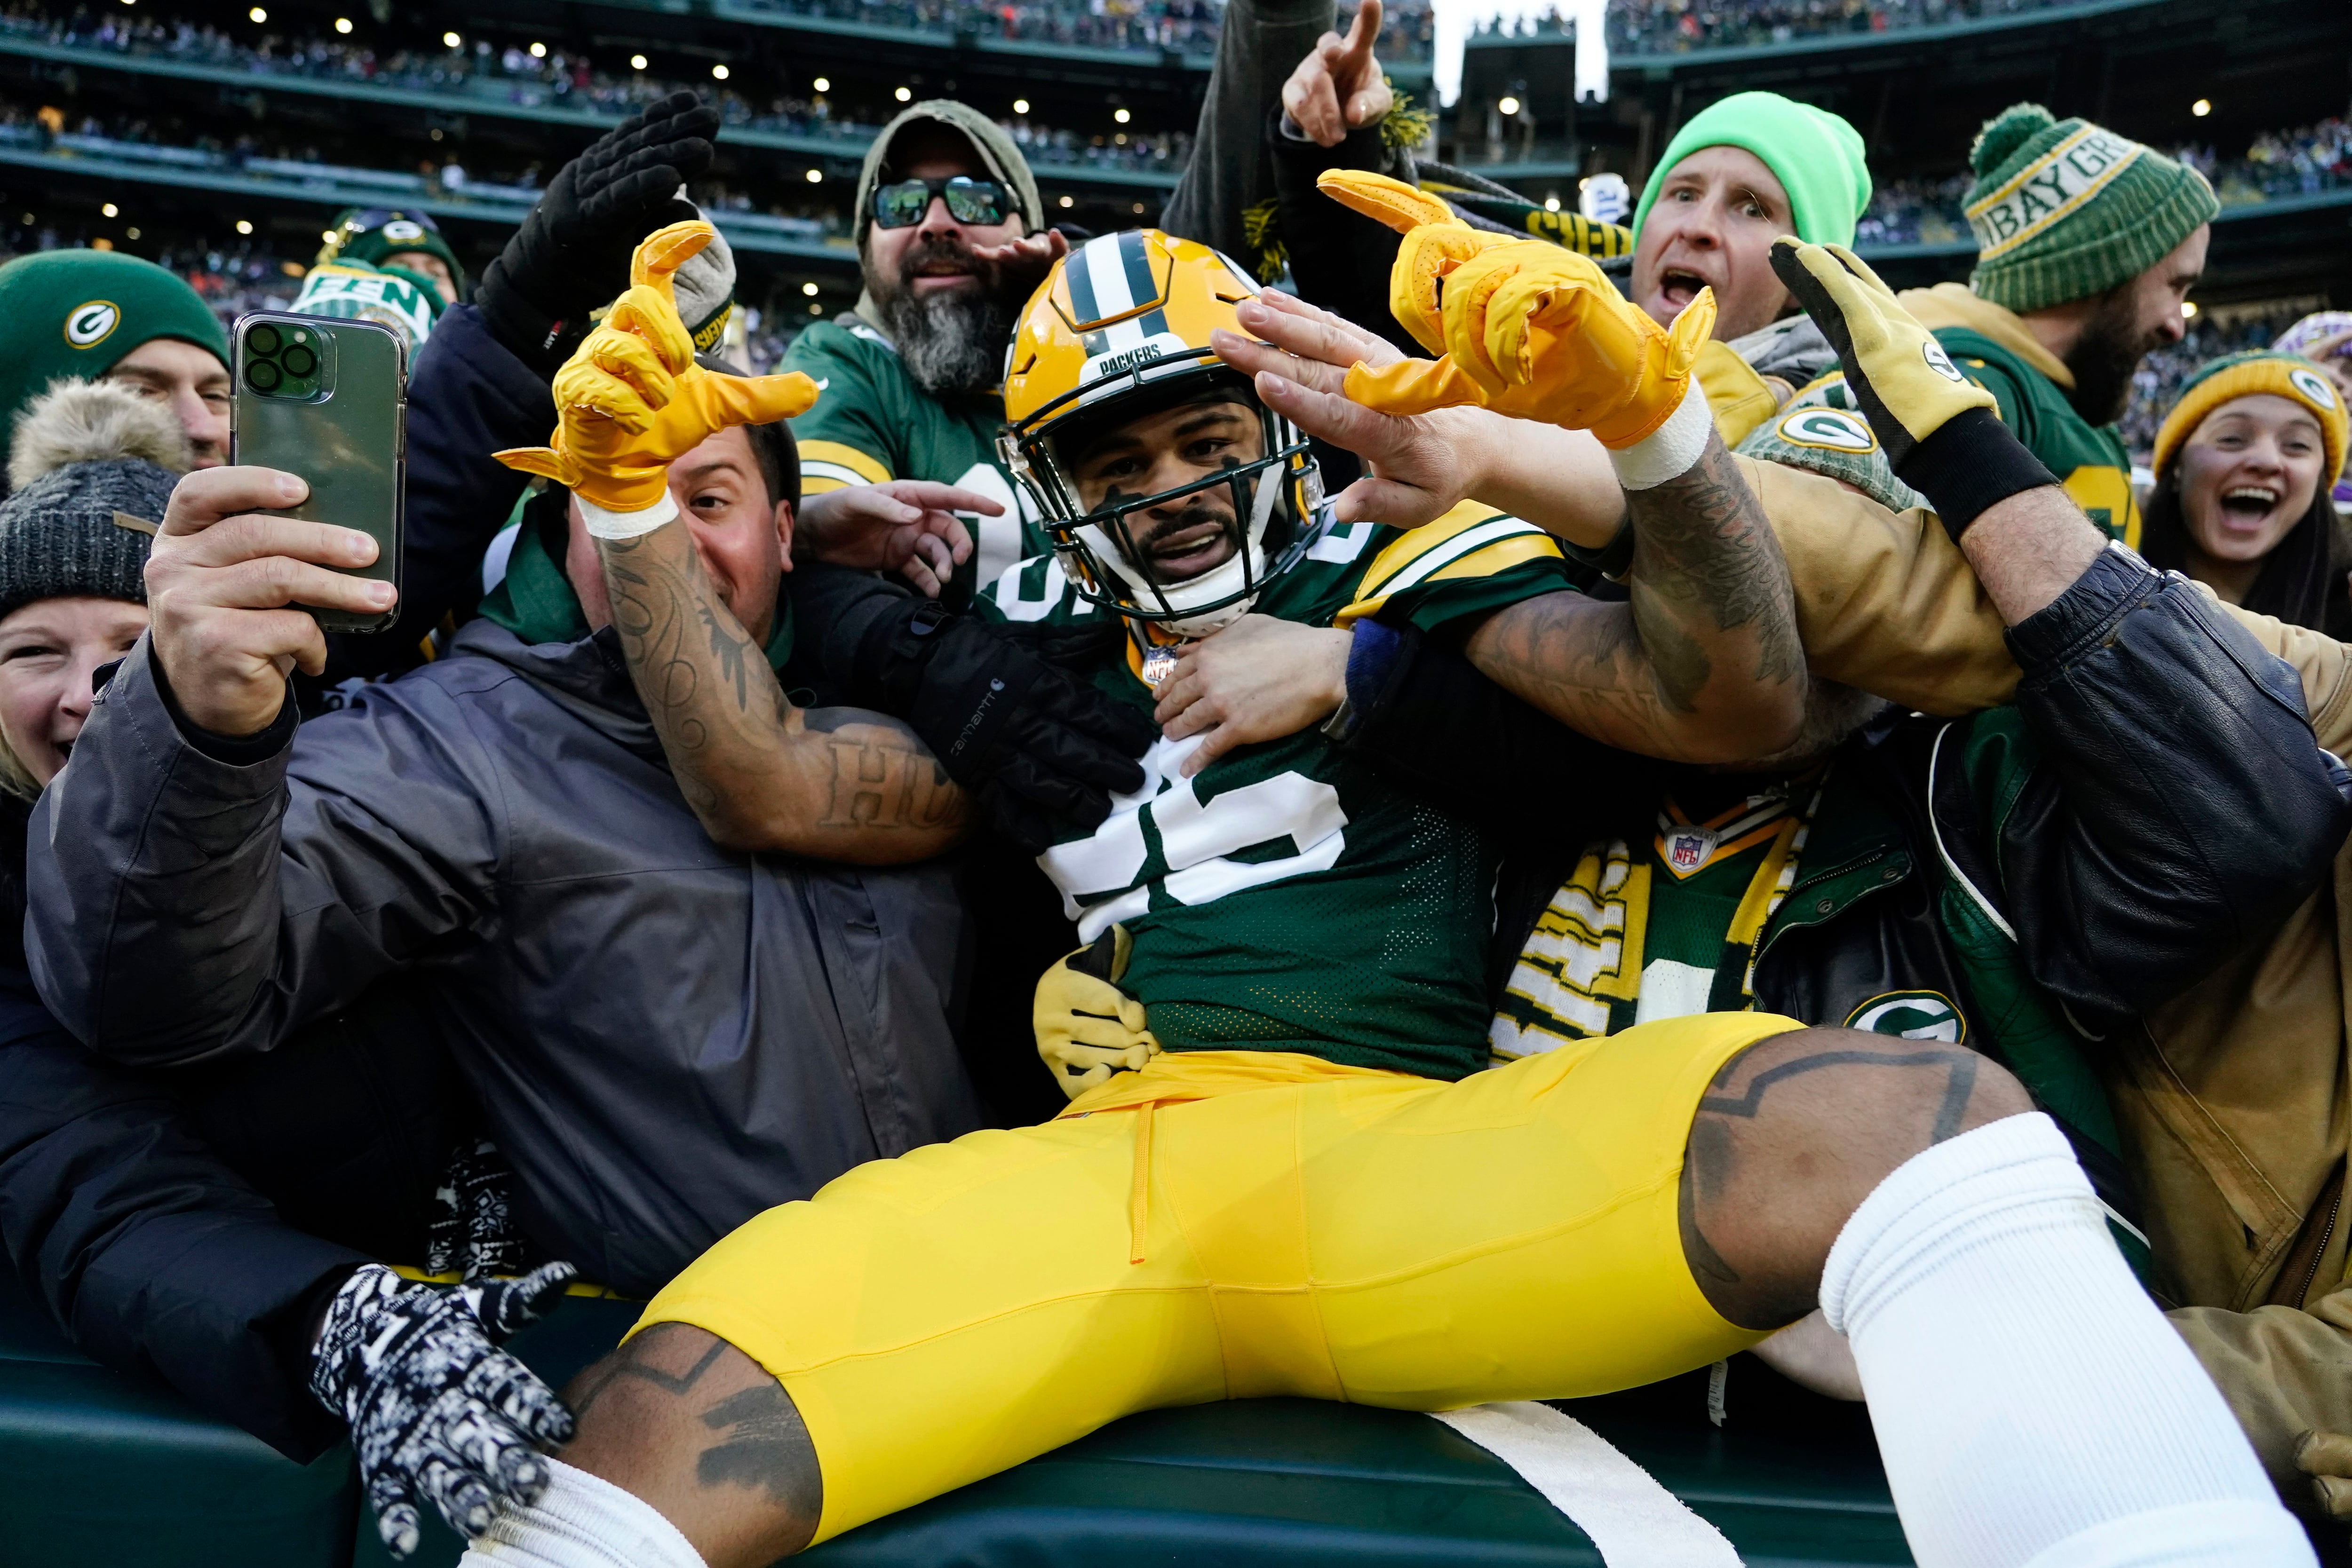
x=629, y=1362
x=1709, y=592
x=1705, y=563
x=762, y=775
x=764, y=1437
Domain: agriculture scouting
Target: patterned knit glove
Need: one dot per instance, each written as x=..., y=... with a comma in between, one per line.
x=437, y=1409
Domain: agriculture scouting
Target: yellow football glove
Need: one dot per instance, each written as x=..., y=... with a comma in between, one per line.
x=1088, y=1027
x=630, y=400
x=1523, y=327
x=1908, y=386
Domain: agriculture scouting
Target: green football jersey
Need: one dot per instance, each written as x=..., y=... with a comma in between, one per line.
x=872, y=423
x=1288, y=897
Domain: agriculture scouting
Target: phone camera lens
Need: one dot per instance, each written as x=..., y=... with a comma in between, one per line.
x=263, y=341
x=262, y=376
x=298, y=361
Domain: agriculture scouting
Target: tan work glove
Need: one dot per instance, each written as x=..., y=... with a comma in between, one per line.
x=2327, y=1458
x=1524, y=327
x=1088, y=1027
x=1906, y=384
x=630, y=400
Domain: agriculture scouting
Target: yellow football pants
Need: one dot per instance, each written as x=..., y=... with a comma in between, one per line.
x=1226, y=1225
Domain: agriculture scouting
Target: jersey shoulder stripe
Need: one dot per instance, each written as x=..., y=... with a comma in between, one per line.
x=834, y=465
x=1469, y=542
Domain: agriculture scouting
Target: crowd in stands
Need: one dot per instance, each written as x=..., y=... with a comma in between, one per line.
x=1676, y=26
x=554, y=79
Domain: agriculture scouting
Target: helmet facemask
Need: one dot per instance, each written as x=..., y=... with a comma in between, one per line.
x=1275, y=499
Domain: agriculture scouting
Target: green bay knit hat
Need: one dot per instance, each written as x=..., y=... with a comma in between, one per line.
x=989, y=140
x=2064, y=209
x=73, y=314
x=1817, y=157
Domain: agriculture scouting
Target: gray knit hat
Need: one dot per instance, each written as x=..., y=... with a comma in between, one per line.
x=94, y=465
x=998, y=153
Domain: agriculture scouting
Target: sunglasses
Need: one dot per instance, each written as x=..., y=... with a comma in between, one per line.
x=902, y=203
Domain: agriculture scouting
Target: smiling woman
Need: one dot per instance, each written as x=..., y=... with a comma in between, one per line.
x=2244, y=466
x=92, y=466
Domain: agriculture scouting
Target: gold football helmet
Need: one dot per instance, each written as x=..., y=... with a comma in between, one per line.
x=1120, y=330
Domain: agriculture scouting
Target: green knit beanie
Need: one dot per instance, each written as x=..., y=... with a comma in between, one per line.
x=74, y=314
x=2064, y=209
x=1817, y=157
x=372, y=234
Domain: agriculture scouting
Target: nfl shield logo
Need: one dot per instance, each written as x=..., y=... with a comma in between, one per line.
x=1688, y=849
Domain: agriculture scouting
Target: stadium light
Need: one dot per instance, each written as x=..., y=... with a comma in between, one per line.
x=816, y=176
x=243, y=227
x=637, y=62
x=1508, y=105
x=132, y=232
x=809, y=289
x=326, y=235
x=107, y=210
x=539, y=51
x=718, y=73
x=258, y=14
x=451, y=41
x=2188, y=310
x=816, y=309
x=823, y=84
x=1069, y=202
x=903, y=95
x=343, y=24
x=2201, y=108
x=1551, y=202
x=1020, y=106
x=1120, y=116
x=1139, y=209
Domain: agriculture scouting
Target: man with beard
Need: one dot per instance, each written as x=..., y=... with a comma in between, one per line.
x=952, y=237
x=2088, y=245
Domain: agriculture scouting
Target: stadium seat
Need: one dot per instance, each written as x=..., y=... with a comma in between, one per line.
x=95, y=1470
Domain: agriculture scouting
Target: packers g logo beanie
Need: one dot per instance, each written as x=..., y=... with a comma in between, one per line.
x=79, y=312
x=2064, y=209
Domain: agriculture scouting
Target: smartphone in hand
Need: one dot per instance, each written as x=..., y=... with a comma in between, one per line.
x=327, y=399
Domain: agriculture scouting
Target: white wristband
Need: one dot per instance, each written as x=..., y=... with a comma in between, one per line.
x=607, y=525
x=1670, y=451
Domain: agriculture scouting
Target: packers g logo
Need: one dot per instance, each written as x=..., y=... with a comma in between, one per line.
x=2314, y=387
x=403, y=231
x=1911, y=1015
x=1828, y=429
x=87, y=326
x=1939, y=362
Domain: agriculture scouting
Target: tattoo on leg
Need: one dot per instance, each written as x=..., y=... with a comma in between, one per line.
x=1956, y=1090
x=629, y=1362
x=1706, y=1172
x=765, y=1440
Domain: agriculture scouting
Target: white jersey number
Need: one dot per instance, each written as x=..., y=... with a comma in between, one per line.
x=1196, y=840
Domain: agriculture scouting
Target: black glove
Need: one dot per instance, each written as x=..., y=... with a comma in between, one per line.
x=1041, y=751
x=435, y=1406
x=472, y=1231
x=571, y=255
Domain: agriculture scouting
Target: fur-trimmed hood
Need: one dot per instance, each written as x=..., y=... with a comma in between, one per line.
x=93, y=422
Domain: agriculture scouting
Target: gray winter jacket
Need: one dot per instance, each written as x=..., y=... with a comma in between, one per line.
x=667, y=1037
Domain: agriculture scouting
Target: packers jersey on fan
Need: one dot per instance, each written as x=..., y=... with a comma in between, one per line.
x=872, y=423
x=1287, y=898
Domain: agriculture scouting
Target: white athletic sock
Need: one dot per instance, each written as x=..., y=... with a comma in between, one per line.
x=2033, y=1408
x=582, y=1521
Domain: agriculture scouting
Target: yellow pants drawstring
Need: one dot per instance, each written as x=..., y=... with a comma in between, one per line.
x=1138, y=1200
